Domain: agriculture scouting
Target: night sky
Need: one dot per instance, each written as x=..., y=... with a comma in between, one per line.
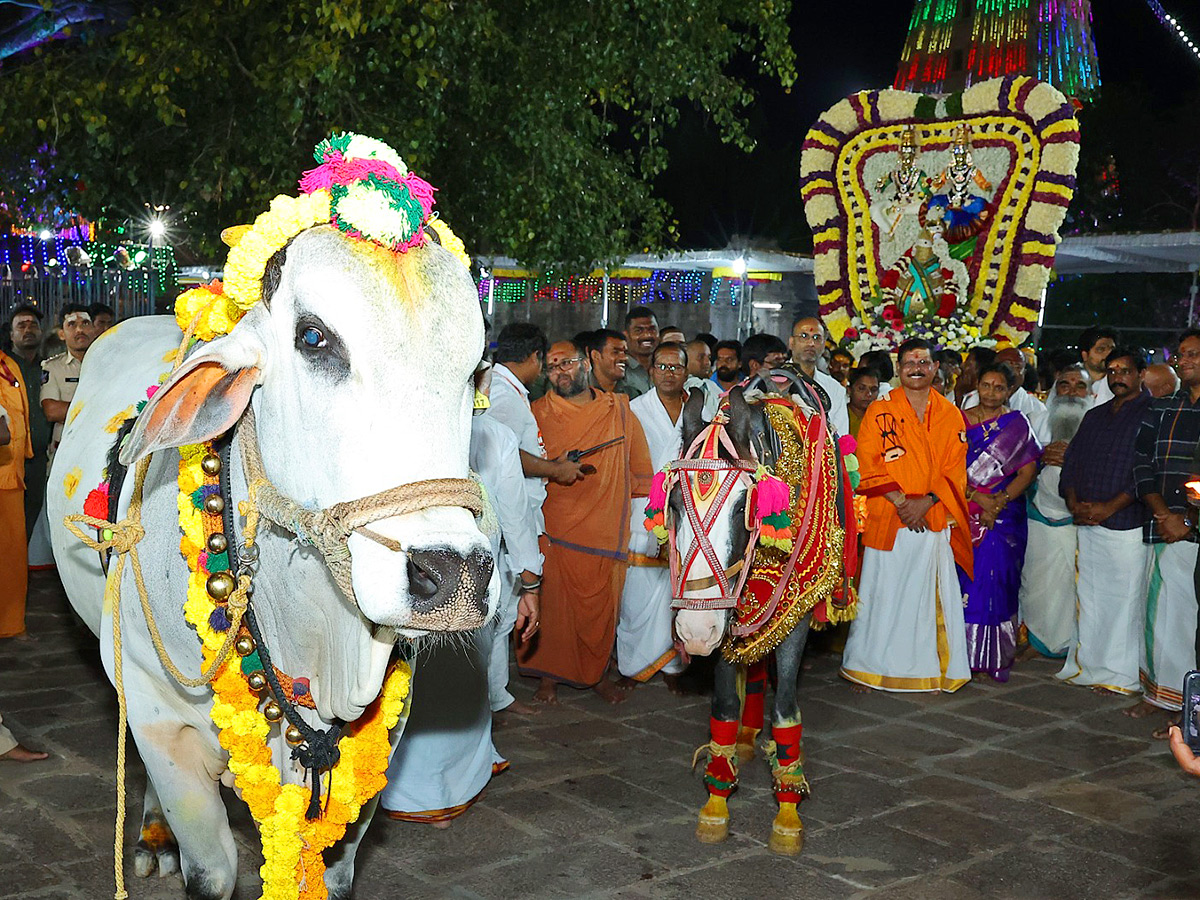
x=847, y=45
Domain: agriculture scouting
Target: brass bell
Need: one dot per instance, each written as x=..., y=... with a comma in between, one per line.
x=257, y=681
x=211, y=464
x=214, y=504
x=220, y=585
x=217, y=543
x=293, y=735
x=272, y=711
x=244, y=645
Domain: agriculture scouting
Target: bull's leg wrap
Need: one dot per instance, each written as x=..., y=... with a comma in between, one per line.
x=720, y=777
x=752, y=709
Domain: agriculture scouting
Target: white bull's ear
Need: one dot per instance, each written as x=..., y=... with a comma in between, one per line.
x=204, y=398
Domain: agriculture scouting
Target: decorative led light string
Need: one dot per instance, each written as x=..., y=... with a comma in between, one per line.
x=30, y=255
x=1049, y=39
x=663, y=284
x=1170, y=22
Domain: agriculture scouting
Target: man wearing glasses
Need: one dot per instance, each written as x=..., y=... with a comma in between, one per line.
x=806, y=343
x=910, y=634
x=587, y=528
x=645, y=639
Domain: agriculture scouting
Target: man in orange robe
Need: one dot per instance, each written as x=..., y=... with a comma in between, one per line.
x=909, y=634
x=587, y=528
x=14, y=563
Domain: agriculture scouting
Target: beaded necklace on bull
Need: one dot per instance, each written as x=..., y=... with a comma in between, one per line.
x=363, y=187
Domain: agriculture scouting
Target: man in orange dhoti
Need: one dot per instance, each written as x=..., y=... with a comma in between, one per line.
x=587, y=528
x=14, y=568
x=909, y=634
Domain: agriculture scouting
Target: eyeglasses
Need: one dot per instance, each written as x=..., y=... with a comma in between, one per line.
x=668, y=367
x=564, y=364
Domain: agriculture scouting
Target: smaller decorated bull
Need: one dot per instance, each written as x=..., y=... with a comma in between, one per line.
x=761, y=535
x=272, y=488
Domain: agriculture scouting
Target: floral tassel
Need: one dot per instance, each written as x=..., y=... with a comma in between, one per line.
x=656, y=504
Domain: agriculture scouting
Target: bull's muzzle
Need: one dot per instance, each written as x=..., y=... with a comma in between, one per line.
x=448, y=591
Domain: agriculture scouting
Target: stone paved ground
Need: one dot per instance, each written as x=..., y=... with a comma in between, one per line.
x=1025, y=790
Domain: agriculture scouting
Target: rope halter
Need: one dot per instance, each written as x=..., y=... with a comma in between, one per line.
x=329, y=530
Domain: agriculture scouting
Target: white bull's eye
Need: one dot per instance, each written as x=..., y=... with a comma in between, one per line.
x=312, y=338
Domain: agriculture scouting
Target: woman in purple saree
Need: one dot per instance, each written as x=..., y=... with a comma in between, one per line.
x=1002, y=454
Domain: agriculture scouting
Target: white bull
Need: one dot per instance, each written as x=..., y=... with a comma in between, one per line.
x=358, y=366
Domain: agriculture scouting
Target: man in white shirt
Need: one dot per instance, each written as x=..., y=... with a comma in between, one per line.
x=520, y=354
x=806, y=343
x=1094, y=346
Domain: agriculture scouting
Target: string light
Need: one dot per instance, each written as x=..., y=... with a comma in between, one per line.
x=1172, y=23
x=1048, y=39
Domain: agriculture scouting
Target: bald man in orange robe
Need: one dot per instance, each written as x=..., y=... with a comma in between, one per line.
x=909, y=634
x=587, y=529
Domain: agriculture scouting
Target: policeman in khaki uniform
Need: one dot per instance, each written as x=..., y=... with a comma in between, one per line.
x=60, y=374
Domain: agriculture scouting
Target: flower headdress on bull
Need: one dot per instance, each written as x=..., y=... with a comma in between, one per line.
x=354, y=229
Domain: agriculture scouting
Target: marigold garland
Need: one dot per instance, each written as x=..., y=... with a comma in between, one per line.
x=292, y=845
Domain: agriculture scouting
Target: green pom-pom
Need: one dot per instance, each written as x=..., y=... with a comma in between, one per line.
x=779, y=520
x=106, y=534
x=218, y=562
x=855, y=478
x=251, y=663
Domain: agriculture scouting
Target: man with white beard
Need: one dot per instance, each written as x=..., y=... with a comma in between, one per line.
x=1048, y=593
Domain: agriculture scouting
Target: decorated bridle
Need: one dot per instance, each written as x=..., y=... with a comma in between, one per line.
x=706, y=481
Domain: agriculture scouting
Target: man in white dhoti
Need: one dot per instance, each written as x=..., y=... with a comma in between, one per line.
x=1165, y=446
x=909, y=634
x=447, y=756
x=1048, y=595
x=645, y=637
x=1097, y=482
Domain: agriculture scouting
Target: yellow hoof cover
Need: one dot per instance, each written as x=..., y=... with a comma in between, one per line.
x=787, y=832
x=713, y=826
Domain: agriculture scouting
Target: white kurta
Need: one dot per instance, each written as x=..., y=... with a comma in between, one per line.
x=1114, y=567
x=839, y=414
x=909, y=634
x=1170, y=650
x=510, y=406
x=645, y=628
x=495, y=458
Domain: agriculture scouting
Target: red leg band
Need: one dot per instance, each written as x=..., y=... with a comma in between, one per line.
x=756, y=683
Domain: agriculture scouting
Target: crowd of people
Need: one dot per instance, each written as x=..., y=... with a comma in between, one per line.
x=1011, y=506
x=39, y=369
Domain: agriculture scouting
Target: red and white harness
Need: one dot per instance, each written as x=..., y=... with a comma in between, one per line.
x=707, y=481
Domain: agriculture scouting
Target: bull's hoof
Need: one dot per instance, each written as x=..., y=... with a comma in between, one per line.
x=713, y=826
x=156, y=851
x=787, y=832
x=745, y=744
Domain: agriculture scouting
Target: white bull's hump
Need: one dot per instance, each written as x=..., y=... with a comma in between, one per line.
x=116, y=371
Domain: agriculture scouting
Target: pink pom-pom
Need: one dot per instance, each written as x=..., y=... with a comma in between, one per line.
x=658, y=492
x=338, y=170
x=151, y=391
x=774, y=496
x=847, y=444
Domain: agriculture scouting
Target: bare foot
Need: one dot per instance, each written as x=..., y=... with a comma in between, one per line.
x=547, y=692
x=442, y=823
x=518, y=708
x=1027, y=653
x=21, y=753
x=625, y=683
x=1141, y=709
x=24, y=637
x=673, y=685
x=1101, y=689
x=1161, y=734
x=609, y=691
x=859, y=688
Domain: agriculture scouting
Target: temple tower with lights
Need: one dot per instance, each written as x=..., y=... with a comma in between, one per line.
x=953, y=44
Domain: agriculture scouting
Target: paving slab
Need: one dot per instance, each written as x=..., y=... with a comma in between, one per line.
x=1031, y=789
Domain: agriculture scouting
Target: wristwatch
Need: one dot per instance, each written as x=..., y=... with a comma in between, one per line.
x=932, y=496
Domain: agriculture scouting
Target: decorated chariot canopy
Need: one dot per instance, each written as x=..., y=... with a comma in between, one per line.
x=937, y=216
